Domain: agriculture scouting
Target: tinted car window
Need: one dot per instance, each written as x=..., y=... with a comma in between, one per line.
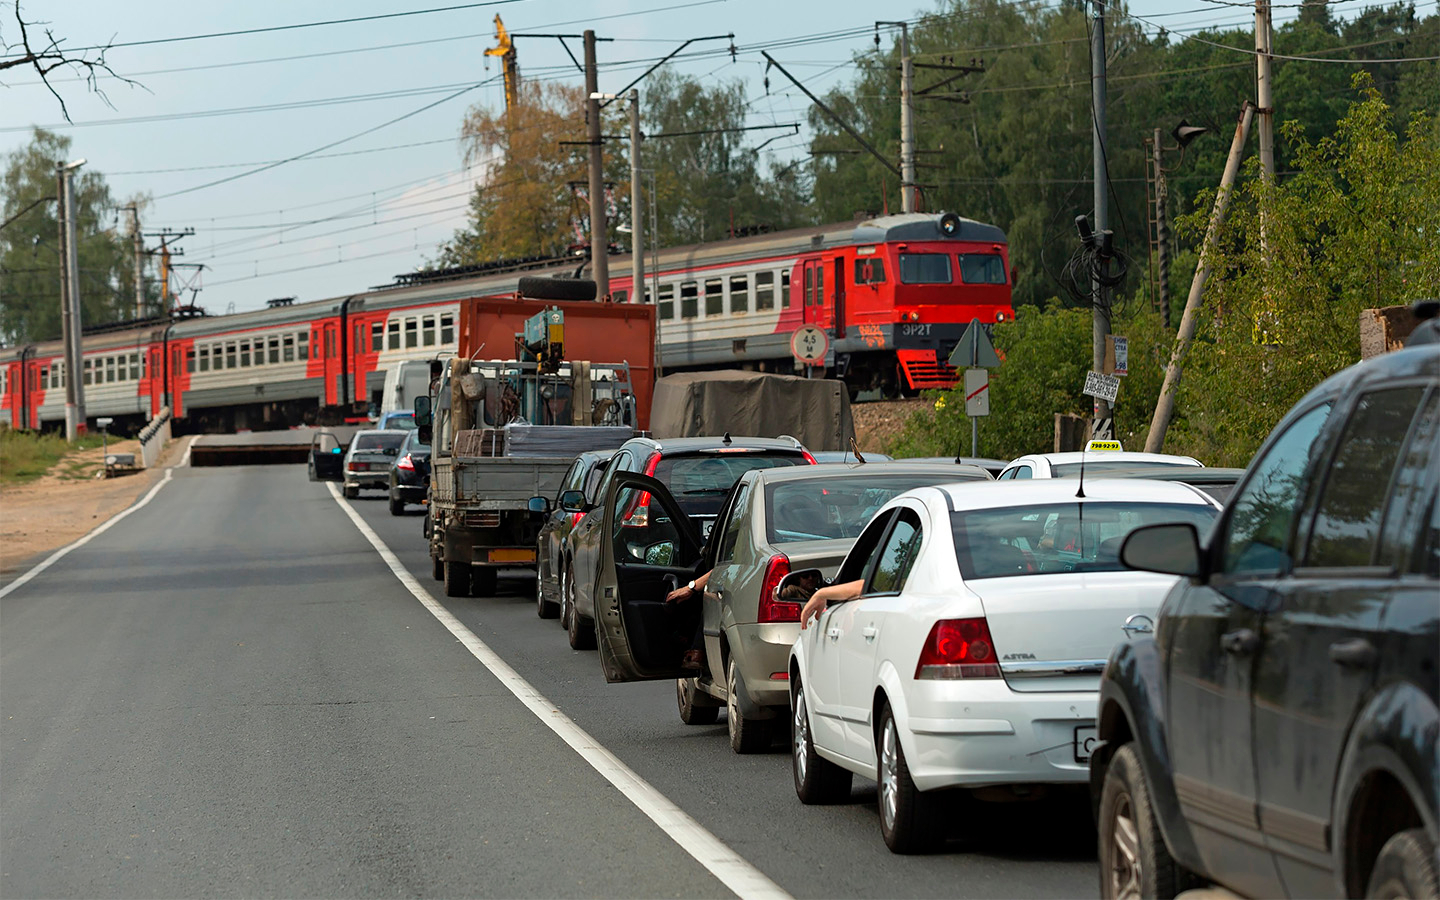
x=379, y=441
x=1062, y=470
x=1063, y=537
x=738, y=512
x=897, y=556
x=1426, y=560
x=1023, y=472
x=831, y=507
x=1408, y=501
x=1258, y=535
x=592, y=479
x=1347, y=517
x=859, y=557
x=700, y=482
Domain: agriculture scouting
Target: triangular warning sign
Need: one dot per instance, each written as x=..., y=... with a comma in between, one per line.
x=974, y=349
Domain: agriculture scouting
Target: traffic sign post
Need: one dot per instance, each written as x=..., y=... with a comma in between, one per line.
x=977, y=403
x=974, y=349
x=809, y=345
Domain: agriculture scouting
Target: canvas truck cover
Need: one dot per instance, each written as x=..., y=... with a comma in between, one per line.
x=696, y=404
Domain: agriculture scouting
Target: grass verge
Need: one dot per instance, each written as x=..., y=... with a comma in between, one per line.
x=25, y=455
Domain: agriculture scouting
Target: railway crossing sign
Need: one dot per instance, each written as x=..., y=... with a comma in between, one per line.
x=809, y=345
x=977, y=392
x=974, y=349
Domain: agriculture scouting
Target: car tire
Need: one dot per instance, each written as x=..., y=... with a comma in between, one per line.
x=564, y=598
x=746, y=735
x=909, y=817
x=691, y=712
x=817, y=780
x=457, y=579
x=537, y=287
x=581, y=629
x=437, y=569
x=351, y=491
x=545, y=609
x=1134, y=860
x=397, y=506
x=483, y=580
x=1405, y=868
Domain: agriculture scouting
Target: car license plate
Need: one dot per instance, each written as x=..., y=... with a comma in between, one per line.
x=1085, y=741
x=512, y=556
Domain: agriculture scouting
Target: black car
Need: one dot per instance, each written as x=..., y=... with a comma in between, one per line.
x=698, y=471
x=1278, y=734
x=409, y=474
x=578, y=488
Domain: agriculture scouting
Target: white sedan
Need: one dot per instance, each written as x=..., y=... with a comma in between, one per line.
x=1097, y=458
x=972, y=655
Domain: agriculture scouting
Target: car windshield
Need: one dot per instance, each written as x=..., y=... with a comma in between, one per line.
x=379, y=441
x=400, y=420
x=835, y=507
x=1063, y=470
x=1063, y=537
x=700, y=482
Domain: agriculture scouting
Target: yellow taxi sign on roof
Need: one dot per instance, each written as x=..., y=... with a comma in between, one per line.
x=1103, y=445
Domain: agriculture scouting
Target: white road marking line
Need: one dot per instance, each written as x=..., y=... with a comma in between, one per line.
x=708, y=850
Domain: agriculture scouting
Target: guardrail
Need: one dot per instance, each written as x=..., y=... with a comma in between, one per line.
x=153, y=438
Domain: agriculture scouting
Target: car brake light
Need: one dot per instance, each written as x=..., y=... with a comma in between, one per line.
x=772, y=610
x=359, y=467
x=406, y=463
x=809, y=458
x=958, y=648
x=638, y=514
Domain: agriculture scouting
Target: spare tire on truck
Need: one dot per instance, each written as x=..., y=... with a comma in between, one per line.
x=537, y=288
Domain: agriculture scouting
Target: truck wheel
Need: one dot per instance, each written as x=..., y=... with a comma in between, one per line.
x=482, y=582
x=1405, y=868
x=746, y=735
x=457, y=579
x=1134, y=861
x=539, y=288
x=688, y=698
x=437, y=569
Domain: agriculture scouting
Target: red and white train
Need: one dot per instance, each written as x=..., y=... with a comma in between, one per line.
x=894, y=293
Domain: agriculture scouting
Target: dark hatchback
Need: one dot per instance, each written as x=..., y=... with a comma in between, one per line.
x=577, y=491
x=1278, y=735
x=410, y=474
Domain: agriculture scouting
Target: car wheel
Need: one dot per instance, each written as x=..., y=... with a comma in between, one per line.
x=351, y=492
x=564, y=598
x=1405, y=868
x=1134, y=861
x=580, y=629
x=692, y=713
x=909, y=817
x=437, y=569
x=457, y=579
x=746, y=735
x=545, y=609
x=817, y=780
x=397, y=506
x=483, y=581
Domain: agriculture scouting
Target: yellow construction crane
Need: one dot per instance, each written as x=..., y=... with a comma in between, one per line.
x=505, y=49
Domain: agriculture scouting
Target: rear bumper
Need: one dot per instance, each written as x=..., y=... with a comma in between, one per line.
x=979, y=733
x=410, y=493
x=762, y=650
x=367, y=479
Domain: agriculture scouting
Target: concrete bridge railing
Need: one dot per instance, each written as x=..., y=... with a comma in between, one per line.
x=153, y=438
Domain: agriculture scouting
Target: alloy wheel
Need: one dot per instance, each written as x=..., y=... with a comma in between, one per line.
x=802, y=736
x=889, y=775
x=1124, y=869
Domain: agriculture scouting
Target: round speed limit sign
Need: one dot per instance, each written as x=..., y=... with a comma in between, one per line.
x=810, y=344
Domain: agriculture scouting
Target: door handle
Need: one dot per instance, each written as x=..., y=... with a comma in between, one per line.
x=1356, y=653
x=1240, y=643
x=869, y=631
x=833, y=634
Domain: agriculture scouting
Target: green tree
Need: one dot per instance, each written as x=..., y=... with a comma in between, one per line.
x=29, y=246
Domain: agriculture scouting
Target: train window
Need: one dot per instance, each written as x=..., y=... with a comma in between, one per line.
x=982, y=268
x=924, y=268
x=667, y=301
x=134, y=367
x=274, y=350
x=447, y=329
x=204, y=359
x=809, y=286
x=245, y=354
x=427, y=331
x=819, y=285
x=392, y=341
x=288, y=342
x=412, y=333
x=785, y=289
x=739, y=293
x=714, y=296
x=190, y=360
x=764, y=291
x=869, y=271
x=230, y=354
x=377, y=337
x=302, y=346
x=689, y=299
x=44, y=378
x=109, y=369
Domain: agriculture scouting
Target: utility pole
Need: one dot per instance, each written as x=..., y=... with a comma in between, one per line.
x=907, y=123
x=1100, y=309
x=138, y=243
x=70, y=302
x=599, y=232
x=655, y=270
x=1162, y=233
x=637, y=209
x=1265, y=126
x=166, y=236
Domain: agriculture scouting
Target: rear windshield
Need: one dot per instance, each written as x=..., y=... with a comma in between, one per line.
x=699, y=483
x=400, y=420
x=1064, y=537
x=1062, y=470
x=379, y=441
x=835, y=507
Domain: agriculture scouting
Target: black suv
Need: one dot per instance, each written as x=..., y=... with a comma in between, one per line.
x=699, y=471
x=1278, y=735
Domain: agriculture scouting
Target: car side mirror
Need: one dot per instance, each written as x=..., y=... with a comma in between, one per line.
x=800, y=584
x=660, y=553
x=422, y=412
x=538, y=505
x=1170, y=549
x=573, y=501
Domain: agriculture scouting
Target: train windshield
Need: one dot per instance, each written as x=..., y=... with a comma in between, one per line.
x=982, y=268
x=924, y=268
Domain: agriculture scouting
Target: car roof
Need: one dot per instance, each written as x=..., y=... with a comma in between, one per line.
x=667, y=446
x=1187, y=474
x=1138, y=456
x=941, y=471
x=385, y=431
x=1036, y=492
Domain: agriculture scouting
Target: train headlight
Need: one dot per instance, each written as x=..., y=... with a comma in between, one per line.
x=999, y=317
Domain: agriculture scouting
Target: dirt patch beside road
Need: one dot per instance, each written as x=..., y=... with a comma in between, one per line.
x=68, y=501
x=878, y=423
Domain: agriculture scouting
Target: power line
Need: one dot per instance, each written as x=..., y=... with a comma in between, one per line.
x=1320, y=59
x=266, y=162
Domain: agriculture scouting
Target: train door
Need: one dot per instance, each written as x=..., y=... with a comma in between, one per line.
x=177, y=361
x=331, y=364
x=154, y=383
x=814, y=291
x=839, y=306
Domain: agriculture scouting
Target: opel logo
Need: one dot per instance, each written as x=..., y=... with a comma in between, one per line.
x=1138, y=624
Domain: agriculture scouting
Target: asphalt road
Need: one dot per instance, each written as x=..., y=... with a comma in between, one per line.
x=230, y=693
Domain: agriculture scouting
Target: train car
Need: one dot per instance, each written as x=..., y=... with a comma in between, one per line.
x=894, y=293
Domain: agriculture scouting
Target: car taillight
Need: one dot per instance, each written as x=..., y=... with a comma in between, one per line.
x=958, y=648
x=359, y=467
x=772, y=610
x=809, y=458
x=406, y=463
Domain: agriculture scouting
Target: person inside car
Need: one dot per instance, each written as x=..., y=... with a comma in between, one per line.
x=694, y=658
x=848, y=590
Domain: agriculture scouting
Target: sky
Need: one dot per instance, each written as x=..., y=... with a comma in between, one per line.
x=389, y=94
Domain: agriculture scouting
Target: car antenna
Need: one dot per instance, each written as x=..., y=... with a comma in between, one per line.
x=1080, y=493
x=726, y=439
x=855, y=448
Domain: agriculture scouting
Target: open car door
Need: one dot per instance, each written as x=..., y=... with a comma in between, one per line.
x=648, y=547
x=327, y=457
